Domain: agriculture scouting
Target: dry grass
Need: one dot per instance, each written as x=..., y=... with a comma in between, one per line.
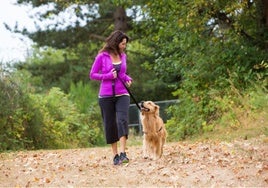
x=249, y=125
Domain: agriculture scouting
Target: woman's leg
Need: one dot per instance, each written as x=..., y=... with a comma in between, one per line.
x=114, y=148
x=123, y=142
x=122, y=106
x=116, y=160
x=123, y=156
x=107, y=106
x=108, y=113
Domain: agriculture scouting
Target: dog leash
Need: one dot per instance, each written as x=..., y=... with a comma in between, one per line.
x=130, y=93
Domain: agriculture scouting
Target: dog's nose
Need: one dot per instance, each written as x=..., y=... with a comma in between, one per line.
x=142, y=103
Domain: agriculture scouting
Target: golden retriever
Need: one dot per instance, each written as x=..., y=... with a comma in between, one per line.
x=154, y=131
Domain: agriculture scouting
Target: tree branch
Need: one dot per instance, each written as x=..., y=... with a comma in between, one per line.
x=95, y=36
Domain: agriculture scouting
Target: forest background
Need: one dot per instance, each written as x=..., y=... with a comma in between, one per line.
x=211, y=55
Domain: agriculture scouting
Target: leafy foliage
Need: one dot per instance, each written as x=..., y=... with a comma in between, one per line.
x=56, y=68
x=209, y=48
x=83, y=96
x=12, y=118
x=63, y=125
x=48, y=120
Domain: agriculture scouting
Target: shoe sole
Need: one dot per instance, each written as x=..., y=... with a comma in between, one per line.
x=125, y=161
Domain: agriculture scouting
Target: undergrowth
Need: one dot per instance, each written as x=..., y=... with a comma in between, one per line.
x=223, y=115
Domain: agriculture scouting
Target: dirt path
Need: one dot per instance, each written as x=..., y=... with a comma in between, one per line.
x=242, y=163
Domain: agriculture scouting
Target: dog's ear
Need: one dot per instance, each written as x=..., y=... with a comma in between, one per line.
x=157, y=108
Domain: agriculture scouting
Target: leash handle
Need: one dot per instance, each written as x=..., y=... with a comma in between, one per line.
x=129, y=93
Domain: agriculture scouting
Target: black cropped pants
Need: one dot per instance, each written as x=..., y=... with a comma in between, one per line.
x=114, y=111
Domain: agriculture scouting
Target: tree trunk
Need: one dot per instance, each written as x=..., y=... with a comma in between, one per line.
x=265, y=12
x=120, y=19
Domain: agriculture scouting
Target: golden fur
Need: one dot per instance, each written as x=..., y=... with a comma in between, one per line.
x=154, y=130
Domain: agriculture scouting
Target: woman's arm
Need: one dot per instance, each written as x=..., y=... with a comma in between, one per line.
x=96, y=72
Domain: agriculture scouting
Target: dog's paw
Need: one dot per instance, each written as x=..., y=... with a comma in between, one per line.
x=145, y=157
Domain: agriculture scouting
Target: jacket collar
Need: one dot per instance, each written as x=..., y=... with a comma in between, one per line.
x=107, y=54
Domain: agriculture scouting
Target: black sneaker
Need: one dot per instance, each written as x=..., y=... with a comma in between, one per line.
x=117, y=160
x=123, y=157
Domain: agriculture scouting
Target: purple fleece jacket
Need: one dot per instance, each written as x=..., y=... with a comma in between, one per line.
x=102, y=70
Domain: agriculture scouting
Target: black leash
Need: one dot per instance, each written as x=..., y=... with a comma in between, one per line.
x=130, y=93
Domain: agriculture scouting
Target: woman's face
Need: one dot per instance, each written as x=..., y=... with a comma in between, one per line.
x=123, y=45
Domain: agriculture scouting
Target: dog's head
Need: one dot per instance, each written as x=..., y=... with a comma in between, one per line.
x=149, y=107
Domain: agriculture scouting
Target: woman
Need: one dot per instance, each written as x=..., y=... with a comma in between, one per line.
x=110, y=68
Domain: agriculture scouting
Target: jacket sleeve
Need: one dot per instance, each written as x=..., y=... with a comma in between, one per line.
x=96, y=70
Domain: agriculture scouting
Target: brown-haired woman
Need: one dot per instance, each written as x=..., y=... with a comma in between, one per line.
x=111, y=63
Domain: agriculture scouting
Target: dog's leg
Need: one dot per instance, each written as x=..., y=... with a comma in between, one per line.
x=145, y=149
x=159, y=149
x=163, y=143
x=150, y=148
x=162, y=146
x=156, y=150
x=152, y=152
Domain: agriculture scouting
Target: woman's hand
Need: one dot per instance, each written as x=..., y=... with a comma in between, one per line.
x=129, y=83
x=114, y=73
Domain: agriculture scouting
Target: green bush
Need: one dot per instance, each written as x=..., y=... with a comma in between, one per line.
x=204, y=111
x=63, y=126
x=45, y=121
x=12, y=117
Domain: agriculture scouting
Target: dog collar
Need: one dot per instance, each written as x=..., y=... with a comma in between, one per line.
x=157, y=131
